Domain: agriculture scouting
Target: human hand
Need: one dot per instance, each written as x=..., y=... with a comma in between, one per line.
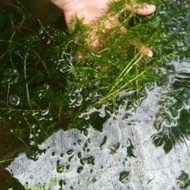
x=91, y=11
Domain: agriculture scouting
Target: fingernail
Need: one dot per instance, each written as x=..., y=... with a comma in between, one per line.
x=150, y=54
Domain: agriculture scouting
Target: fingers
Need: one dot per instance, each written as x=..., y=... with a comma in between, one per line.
x=112, y=23
x=146, y=51
x=144, y=9
x=94, y=40
x=148, y=9
x=143, y=49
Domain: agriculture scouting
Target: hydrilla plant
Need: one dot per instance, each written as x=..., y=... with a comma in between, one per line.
x=98, y=77
x=42, y=90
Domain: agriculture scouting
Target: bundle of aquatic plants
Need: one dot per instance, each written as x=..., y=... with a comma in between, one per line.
x=100, y=76
x=50, y=76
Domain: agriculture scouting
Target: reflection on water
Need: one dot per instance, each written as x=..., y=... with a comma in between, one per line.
x=174, y=111
x=124, y=152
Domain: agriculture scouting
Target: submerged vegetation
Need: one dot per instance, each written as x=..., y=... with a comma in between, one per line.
x=49, y=77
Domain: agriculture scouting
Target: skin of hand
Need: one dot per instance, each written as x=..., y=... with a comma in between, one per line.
x=91, y=11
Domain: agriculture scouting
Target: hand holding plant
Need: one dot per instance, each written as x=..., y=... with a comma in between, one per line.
x=91, y=13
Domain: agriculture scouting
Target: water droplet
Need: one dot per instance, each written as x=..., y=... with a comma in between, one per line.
x=49, y=41
x=45, y=112
x=41, y=32
x=14, y=100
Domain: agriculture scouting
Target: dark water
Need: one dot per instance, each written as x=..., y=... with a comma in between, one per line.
x=16, y=116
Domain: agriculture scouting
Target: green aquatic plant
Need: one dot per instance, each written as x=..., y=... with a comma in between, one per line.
x=26, y=84
x=50, y=78
x=117, y=66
